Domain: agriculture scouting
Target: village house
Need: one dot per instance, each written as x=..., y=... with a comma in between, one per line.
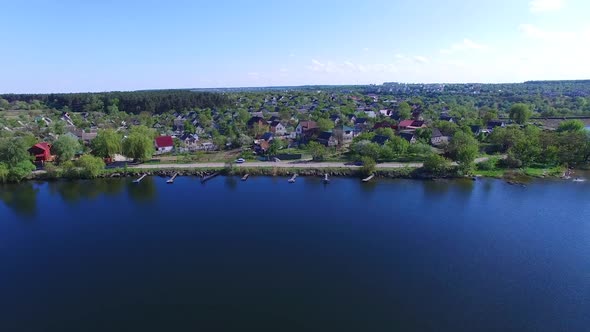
x=496, y=123
x=446, y=117
x=360, y=124
x=384, y=124
x=277, y=128
x=386, y=113
x=267, y=136
x=411, y=124
x=344, y=134
x=371, y=114
x=335, y=118
x=380, y=139
x=189, y=140
x=304, y=128
x=438, y=138
x=327, y=138
x=41, y=152
x=256, y=120
x=408, y=136
x=164, y=144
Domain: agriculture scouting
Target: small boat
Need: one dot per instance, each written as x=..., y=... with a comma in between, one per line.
x=369, y=178
x=579, y=180
x=292, y=179
x=326, y=179
x=245, y=177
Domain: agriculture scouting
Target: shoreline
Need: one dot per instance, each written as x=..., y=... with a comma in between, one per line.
x=406, y=172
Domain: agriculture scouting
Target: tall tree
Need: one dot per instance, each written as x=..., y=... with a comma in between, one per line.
x=139, y=144
x=107, y=143
x=520, y=113
x=571, y=125
x=65, y=148
x=464, y=149
x=405, y=110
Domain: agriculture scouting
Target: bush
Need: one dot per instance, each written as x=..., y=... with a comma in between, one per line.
x=488, y=165
x=436, y=164
x=510, y=162
x=90, y=166
x=369, y=166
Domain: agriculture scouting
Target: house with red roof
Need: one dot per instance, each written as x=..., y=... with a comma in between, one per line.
x=164, y=144
x=42, y=152
x=411, y=124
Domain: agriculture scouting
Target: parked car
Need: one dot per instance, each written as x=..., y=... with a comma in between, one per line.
x=240, y=160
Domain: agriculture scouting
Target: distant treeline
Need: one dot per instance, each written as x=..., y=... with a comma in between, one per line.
x=559, y=82
x=156, y=101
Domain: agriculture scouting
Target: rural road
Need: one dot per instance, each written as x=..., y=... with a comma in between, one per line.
x=283, y=164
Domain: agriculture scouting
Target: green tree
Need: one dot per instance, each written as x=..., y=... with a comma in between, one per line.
x=139, y=144
x=436, y=164
x=398, y=145
x=367, y=149
x=13, y=152
x=571, y=125
x=65, y=148
x=325, y=124
x=189, y=127
x=107, y=143
x=20, y=171
x=317, y=151
x=388, y=132
x=527, y=148
x=404, y=110
x=369, y=166
x=520, y=113
x=4, y=171
x=90, y=166
x=463, y=148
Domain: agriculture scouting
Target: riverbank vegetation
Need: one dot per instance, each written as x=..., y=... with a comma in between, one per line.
x=460, y=130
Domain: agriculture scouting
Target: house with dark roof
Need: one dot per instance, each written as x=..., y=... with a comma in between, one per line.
x=384, y=124
x=408, y=136
x=335, y=118
x=327, y=138
x=496, y=123
x=438, y=138
x=306, y=128
x=256, y=120
x=164, y=144
x=344, y=134
x=277, y=128
x=446, y=117
x=380, y=139
x=267, y=136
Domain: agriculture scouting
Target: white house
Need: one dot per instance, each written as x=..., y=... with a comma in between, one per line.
x=278, y=128
x=164, y=144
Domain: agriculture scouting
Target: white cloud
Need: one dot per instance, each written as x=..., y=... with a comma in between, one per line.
x=537, y=6
x=465, y=45
x=421, y=59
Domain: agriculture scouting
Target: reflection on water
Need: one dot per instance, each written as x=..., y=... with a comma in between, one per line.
x=76, y=191
x=142, y=192
x=20, y=198
x=231, y=182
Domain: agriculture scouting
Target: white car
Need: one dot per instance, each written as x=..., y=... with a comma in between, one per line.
x=240, y=160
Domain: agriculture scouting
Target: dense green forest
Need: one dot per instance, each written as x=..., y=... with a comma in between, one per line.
x=157, y=101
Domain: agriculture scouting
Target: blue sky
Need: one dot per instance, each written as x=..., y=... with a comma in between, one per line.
x=103, y=45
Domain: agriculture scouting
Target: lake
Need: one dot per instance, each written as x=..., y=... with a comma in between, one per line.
x=265, y=255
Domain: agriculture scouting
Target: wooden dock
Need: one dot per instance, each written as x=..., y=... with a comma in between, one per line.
x=326, y=179
x=171, y=180
x=245, y=177
x=139, y=180
x=292, y=179
x=209, y=177
x=369, y=178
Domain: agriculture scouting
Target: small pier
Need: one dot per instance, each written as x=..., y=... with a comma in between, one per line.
x=292, y=179
x=369, y=178
x=326, y=179
x=171, y=180
x=245, y=177
x=209, y=177
x=139, y=180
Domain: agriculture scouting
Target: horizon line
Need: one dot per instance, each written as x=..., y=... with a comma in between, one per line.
x=262, y=87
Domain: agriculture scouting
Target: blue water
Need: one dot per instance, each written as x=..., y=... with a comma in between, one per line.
x=265, y=255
